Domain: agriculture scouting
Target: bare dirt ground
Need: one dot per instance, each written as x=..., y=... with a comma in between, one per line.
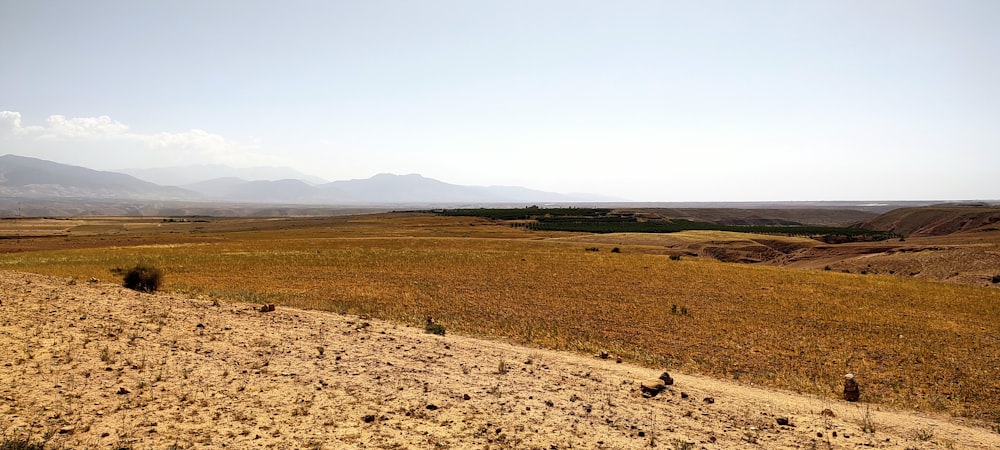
x=98, y=366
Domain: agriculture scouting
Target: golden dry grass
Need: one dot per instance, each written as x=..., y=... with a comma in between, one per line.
x=912, y=343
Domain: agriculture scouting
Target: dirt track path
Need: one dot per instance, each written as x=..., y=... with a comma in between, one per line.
x=97, y=365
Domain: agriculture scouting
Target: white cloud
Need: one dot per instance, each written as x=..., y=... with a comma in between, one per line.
x=104, y=143
x=10, y=120
x=85, y=127
x=10, y=124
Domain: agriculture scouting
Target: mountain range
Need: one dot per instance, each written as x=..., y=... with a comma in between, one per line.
x=24, y=177
x=183, y=175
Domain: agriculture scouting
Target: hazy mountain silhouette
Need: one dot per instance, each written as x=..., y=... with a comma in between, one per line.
x=184, y=175
x=257, y=191
x=414, y=188
x=37, y=178
x=379, y=189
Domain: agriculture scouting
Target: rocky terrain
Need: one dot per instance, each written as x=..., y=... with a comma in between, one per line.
x=93, y=365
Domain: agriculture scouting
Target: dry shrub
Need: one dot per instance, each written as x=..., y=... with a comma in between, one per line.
x=21, y=443
x=143, y=278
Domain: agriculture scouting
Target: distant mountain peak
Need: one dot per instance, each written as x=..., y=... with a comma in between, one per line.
x=386, y=175
x=185, y=175
x=22, y=176
x=36, y=178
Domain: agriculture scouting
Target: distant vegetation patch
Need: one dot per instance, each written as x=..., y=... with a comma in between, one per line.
x=597, y=220
x=530, y=212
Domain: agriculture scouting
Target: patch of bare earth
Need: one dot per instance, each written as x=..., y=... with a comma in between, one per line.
x=96, y=365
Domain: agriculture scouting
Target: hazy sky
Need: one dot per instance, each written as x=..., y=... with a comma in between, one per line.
x=649, y=101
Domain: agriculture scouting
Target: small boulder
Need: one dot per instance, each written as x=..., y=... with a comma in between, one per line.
x=666, y=378
x=267, y=308
x=782, y=421
x=851, y=391
x=650, y=388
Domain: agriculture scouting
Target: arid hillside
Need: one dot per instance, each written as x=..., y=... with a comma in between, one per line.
x=936, y=220
x=768, y=216
x=93, y=365
x=956, y=244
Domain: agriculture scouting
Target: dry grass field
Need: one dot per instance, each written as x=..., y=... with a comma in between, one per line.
x=912, y=343
x=93, y=365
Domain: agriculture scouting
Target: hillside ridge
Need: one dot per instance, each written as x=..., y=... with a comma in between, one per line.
x=936, y=220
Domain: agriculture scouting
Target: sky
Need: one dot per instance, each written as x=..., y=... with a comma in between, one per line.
x=705, y=100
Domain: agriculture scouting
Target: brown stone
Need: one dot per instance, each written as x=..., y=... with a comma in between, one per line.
x=851, y=391
x=650, y=388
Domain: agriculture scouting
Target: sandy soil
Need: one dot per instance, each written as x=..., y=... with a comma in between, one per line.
x=99, y=366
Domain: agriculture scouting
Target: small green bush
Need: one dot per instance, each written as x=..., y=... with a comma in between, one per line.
x=433, y=327
x=143, y=278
